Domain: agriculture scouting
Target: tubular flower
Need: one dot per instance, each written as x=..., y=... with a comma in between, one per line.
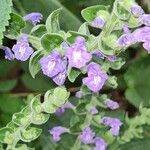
x=98, y=22
x=87, y=136
x=77, y=54
x=34, y=17
x=111, y=104
x=57, y=131
x=53, y=64
x=137, y=11
x=8, y=53
x=96, y=78
x=22, y=49
x=100, y=144
x=114, y=123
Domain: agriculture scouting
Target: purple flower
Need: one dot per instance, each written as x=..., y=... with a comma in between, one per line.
x=61, y=110
x=126, y=30
x=79, y=94
x=52, y=64
x=22, y=49
x=96, y=77
x=146, y=45
x=77, y=54
x=100, y=144
x=87, y=136
x=8, y=53
x=114, y=123
x=145, y=19
x=126, y=40
x=111, y=104
x=57, y=131
x=98, y=22
x=100, y=54
x=60, y=78
x=64, y=44
x=137, y=11
x=34, y=17
x=93, y=110
x=142, y=34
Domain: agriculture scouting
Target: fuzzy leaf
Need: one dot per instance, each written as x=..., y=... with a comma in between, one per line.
x=5, y=10
x=30, y=134
x=36, y=104
x=34, y=66
x=51, y=41
x=16, y=25
x=39, y=119
x=52, y=22
x=90, y=13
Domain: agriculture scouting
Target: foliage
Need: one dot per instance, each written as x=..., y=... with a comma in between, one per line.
x=65, y=50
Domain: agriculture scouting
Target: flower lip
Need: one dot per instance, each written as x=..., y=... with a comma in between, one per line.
x=22, y=49
x=57, y=131
x=137, y=11
x=77, y=53
x=34, y=17
x=96, y=77
x=98, y=22
x=8, y=53
x=87, y=136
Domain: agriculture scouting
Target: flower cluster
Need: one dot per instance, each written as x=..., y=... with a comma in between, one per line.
x=55, y=66
x=88, y=137
x=140, y=35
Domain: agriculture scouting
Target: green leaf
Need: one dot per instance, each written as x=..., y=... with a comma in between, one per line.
x=30, y=134
x=6, y=86
x=51, y=41
x=133, y=22
x=20, y=119
x=38, y=30
x=52, y=22
x=121, y=12
x=84, y=29
x=60, y=96
x=16, y=24
x=6, y=135
x=5, y=10
x=39, y=119
x=23, y=147
x=137, y=80
x=90, y=13
x=49, y=107
x=117, y=64
x=36, y=104
x=34, y=66
x=35, y=42
x=73, y=74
